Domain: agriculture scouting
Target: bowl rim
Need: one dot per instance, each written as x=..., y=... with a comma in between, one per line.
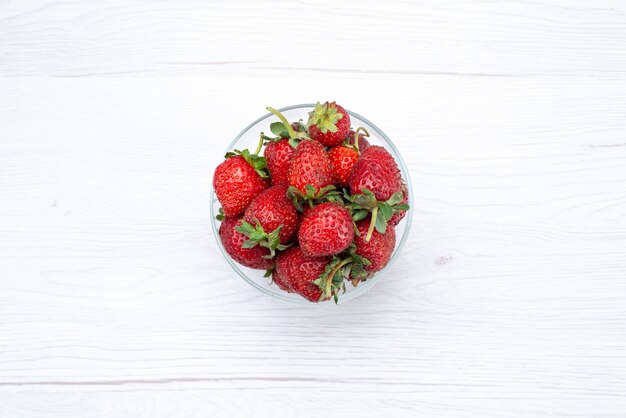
x=363, y=287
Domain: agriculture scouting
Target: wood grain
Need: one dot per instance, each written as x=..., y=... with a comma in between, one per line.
x=509, y=299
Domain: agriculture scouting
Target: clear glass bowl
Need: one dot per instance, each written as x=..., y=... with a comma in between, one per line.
x=249, y=138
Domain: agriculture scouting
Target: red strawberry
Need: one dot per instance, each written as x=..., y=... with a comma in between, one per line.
x=344, y=156
x=329, y=124
x=269, y=211
x=326, y=230
x=377, y=171
x=238, y=180
x=310, y=165
x=378, y=250
x=399, y=215
x=278, y=155
x=342, y=159
x=376, y=187
x=233, y=244
x=298, y=272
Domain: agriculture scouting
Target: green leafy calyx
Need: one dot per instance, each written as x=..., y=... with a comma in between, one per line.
x=284, y=129
x=313, y=196
x=281, y=132
x=347, y=265
x=331, y=281
x=382, y=211
x=325, y=117
x=257, y=236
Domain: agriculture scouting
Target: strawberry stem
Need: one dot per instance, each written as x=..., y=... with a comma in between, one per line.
x=292, y=133
x=258, y=147
x=370, y=230
x=356, y=136
x=329, y=279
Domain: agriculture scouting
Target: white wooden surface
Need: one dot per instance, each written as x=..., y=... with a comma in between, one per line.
x=509, y=301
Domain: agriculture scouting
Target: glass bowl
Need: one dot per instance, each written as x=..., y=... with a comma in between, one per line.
x=249, y=138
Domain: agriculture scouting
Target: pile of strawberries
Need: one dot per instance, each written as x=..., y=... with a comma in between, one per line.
x=317, y=209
